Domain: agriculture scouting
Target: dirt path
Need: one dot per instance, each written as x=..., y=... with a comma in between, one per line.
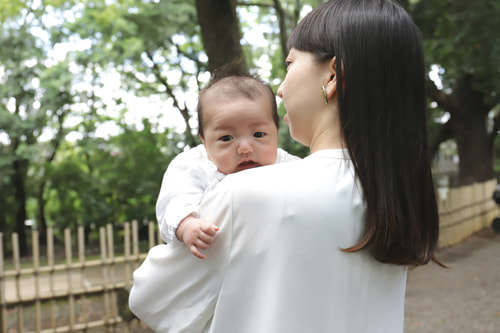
x=465, y=297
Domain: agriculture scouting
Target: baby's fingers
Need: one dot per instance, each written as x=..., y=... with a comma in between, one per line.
x=201, y=244
x=209, y=228
x=205, y=238
x=196, y=252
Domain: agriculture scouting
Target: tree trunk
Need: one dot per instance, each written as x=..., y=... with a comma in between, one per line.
x=55, y=143
x=3, y=217
x=220, y=32
x=18, y=182
x=42, y=221
x=468, y=121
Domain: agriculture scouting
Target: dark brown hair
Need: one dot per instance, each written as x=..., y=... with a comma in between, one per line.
x=231, y=82
x=382, y=106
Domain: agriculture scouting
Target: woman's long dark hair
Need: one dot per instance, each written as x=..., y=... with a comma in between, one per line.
x=379, y=59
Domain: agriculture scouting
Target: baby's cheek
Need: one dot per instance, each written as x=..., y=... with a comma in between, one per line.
x=271, y=156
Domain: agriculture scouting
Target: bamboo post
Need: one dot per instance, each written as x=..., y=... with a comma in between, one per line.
x=126, y=253
x=17, y=267
x=158, y=236
x=36, y=272
x=3, y=302
x=81, y=257
x=151, y=234
x=111, y=261
x=50, y=264
x=105, y=273
x=135, y=241
x=69, y=264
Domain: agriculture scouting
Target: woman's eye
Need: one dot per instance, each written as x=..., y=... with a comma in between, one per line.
x=287, y=63
x=259, y=134
x=226, y=138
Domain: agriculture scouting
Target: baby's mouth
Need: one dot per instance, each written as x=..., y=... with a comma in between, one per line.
x=247, y=165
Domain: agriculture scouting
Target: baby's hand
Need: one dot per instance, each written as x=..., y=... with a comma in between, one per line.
x=197, y=234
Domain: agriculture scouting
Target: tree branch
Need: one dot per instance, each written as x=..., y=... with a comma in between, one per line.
x=258, y=4
x=280, y=13
x=198, y=63
x=445, y=133
x=170, y=92
x=443, y=100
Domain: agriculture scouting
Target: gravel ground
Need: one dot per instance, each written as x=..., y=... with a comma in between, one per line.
x=462, y=298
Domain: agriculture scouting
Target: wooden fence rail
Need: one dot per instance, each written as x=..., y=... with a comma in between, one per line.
x=81, y=292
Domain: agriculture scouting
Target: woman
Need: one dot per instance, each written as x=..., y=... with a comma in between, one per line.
x=321, y=244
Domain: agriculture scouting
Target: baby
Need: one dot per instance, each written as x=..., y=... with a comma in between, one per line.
x=238, y=126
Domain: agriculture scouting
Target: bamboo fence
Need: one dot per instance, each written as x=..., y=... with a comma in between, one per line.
x=74, y=293
x=466, y=210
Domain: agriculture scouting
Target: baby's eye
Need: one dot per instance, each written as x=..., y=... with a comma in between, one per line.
x=226, y=138
x=259, y=134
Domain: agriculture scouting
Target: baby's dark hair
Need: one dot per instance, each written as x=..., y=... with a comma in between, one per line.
x=232, y=82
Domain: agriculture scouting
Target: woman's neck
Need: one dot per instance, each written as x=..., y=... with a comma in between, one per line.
x=331, y=139
x=327, y=134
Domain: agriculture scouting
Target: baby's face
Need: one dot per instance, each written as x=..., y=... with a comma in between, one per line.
x=239, y=132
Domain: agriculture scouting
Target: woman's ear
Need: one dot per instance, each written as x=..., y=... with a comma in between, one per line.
x=331, y=85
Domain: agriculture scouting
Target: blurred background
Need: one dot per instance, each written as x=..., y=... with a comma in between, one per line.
x=97, y=97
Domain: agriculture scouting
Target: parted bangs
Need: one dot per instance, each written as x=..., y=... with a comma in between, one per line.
x=316, y=33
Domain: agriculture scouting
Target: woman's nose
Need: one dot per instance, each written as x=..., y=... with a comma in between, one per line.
x=279, y=92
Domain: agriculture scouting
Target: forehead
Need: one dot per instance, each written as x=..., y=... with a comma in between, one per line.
x=303, y=56
x=224, y=111
x=239, y=86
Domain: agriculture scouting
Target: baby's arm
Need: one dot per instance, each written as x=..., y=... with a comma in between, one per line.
x=197, y=234
x=184, y=184
x=182, y=189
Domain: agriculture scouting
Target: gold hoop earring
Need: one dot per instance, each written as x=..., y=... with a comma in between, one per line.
x=323, y=90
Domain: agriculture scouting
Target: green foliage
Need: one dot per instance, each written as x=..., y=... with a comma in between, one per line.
x=462, y=37
x=21, y=120
x=156, y=48
x=94, y=181
x=127, y=33
x=10, y=8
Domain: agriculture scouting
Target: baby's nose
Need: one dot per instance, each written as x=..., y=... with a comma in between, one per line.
x=245, y=147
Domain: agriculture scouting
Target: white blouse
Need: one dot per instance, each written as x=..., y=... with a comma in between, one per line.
x=276, y=265
x=188, y=178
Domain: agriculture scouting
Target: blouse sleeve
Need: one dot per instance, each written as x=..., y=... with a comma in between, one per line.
x=174, y=291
